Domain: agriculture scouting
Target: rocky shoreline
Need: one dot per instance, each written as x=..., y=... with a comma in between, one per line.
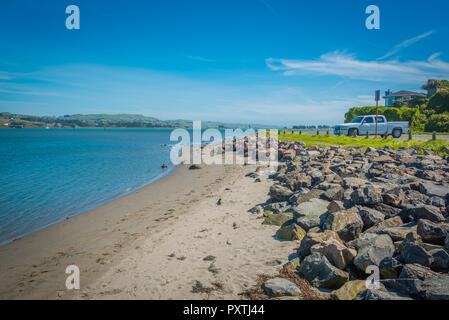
x=354, y=211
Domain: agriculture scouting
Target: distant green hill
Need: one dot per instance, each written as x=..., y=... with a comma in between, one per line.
x=110, y=117
x=11, y=120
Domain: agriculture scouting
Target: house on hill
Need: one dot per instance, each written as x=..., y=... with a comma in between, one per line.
x=433, y=86
x=403, y=95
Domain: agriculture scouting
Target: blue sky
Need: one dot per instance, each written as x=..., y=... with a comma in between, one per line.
x=280, y=62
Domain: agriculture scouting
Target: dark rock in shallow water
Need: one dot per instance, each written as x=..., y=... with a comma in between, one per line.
x=431, y=232
x=321, y=273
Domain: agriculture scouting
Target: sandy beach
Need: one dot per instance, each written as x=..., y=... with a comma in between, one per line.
x=156, y=243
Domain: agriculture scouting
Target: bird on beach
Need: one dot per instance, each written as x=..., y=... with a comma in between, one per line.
x=219, y=202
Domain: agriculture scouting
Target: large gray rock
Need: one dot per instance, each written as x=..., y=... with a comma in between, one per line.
x=440, y=260
x=388, y=223
x=313, y=238
x=298, y=194
x=349, y=290
x=347, y=224
x=317, y=177
x=279, y=193
x=390, y=268
x=370, y=217
x=422, y=212
x=321, y=273
x=310, y=214
x=394, y=198
x=431, y=232
x=381, y=294
x=372, y=249
x=333, y=193
x=387, y=210
x=430, y=189
x=290, y=232
x=279, y=287
x=436, y=202
x=437, y=287
x=400, y=233
x=336, y=252
x=420, y=282
x=411, y=252
x=366, y=196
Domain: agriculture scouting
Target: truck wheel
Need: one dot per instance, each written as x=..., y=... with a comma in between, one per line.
x=353, y=132
x=397, y=133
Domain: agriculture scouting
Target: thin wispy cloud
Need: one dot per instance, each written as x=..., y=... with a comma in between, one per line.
x=406, y=43
x=199, y=58
x=434, y=56
x=348, y=66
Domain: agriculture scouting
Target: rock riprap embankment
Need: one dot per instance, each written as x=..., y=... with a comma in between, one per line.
x=352, y=208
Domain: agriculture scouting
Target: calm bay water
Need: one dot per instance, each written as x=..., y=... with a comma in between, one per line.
x=47, y=175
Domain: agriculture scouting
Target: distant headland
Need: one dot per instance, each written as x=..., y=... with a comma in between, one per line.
x=11, y=120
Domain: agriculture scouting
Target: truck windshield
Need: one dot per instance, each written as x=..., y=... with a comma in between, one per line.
x=357, y=120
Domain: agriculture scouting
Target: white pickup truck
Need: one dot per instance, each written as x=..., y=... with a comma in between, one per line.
x=363, y=124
